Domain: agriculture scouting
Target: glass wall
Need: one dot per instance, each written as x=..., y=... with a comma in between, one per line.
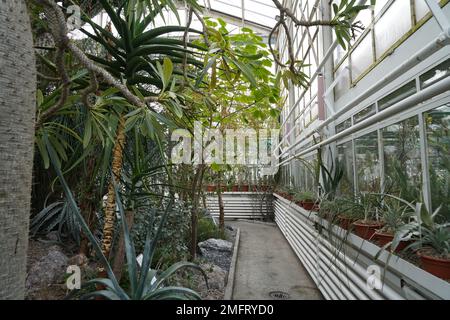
x=367, y=162
x=438, y=139
x=345, y=158
x=386, y=26
x=402, y=162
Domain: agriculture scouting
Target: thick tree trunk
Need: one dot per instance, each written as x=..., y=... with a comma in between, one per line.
x=17, y=111
x=110, y=210
x=119, y=258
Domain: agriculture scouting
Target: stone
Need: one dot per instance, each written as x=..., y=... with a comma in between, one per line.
x=53, y=236
x=80, y=260
x=216, y=282
x=48, y=270
x=217, y=251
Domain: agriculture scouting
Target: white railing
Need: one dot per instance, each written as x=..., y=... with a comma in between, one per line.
x=339, y=261
x=242, y=205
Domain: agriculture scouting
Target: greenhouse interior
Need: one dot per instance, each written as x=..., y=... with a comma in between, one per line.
x=225, y=150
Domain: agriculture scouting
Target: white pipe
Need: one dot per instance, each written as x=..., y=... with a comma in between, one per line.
x=413, y=100
x=438, y=14
x=441, y=41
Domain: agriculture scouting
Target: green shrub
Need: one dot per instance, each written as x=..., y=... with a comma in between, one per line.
x=207, y=230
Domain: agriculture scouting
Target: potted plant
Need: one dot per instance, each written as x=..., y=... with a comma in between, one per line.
x=435, y=252
x=348, y=211
x=394, y=215
x=244, y=187
x=286, y=192
x=232, y=185
x=306, y=199
x=432, y=243
x=328, y=209
x=368, y=204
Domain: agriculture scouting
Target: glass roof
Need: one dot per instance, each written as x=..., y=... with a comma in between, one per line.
x=259, y=15
x=253, y=12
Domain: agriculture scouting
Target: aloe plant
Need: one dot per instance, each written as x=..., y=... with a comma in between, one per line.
x=305, y=196
x=145, y=284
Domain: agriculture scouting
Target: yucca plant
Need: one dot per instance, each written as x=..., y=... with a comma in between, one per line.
x=138, y=50
x=145, y=284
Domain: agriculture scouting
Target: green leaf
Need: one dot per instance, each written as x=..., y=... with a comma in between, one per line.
x=39, y=97
x=244, y=69
x=167, y=69
x=87, y=131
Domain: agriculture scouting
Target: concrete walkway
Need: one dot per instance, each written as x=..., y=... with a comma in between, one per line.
x=266, y=263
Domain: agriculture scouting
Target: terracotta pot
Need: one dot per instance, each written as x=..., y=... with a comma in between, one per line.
x=299, y=203
x=234, y=188
x=255, y=189
x=383, y=239
x=345, y=222
x=211, y=188
x=366, y=230
x=308, y=205
x=436, y=266
x=244, y=188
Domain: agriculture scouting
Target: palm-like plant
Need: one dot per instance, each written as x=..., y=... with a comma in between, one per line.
x=145, y=284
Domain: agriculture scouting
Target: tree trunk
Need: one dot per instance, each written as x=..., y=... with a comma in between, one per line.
x=119, y=257
x=110, y=210
x=17, y=112
x=221, y=208
x=195, y=194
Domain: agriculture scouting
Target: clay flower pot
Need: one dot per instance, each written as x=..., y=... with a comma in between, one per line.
x=234, y=188
x=383, y=239
x=211, y=188
x=308, y=205
x=366, y=229
x=436, y=266
x=299, y=203
x=244, y=188
x=345, y=222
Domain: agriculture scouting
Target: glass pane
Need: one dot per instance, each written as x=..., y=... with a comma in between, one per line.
x=421, y=8
x=338, y=54
x=365, y=19
x=392, y=25
x=403, y=172
x=436, y=74
x=343, y=84
x=367, y=163
x=362, y=56
x=398, y=95
x=379, y=5
x=345, y=157
x=438, y=133
x=344, y=125
x=364, y=114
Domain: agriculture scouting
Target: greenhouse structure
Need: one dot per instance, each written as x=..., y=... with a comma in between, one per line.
x=225, y=150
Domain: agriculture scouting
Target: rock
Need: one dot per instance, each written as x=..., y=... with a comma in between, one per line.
x=217, y=251
x=216, y=245
x=216, y=282
x=53, y=236
x=79, y=260
x=48, y=270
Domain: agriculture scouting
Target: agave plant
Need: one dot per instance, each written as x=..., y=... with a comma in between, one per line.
x=145, y=284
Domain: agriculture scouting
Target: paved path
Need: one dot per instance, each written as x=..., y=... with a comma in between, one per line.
x=267, y=263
